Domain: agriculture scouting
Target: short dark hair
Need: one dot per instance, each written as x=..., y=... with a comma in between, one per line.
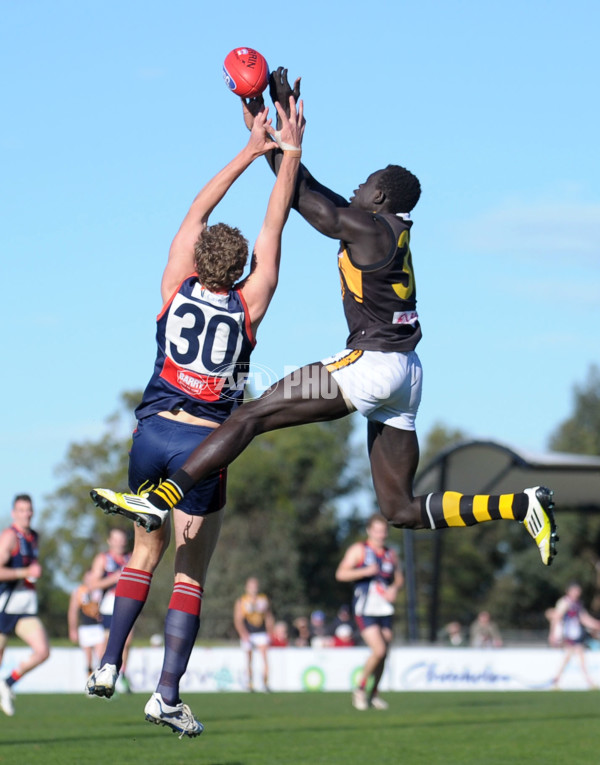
x=22, y=498
x=401, y=187
x=220, y=256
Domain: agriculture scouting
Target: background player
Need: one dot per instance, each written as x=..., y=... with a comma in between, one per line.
x=85, y=622
x=19, y=570
x=105, y=574
x=569, y=621
x=373, y=568
x=205, y=334
x=254, y=622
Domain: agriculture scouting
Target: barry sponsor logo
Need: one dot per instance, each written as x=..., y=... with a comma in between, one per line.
x=190, y=383
x=196, y=384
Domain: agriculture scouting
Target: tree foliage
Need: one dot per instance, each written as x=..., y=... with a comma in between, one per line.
x=580, y=433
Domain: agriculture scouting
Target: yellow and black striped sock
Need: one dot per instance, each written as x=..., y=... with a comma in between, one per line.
x=450, y=508
x=169, y=492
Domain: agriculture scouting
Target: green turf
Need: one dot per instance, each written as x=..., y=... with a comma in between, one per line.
x=259, y=729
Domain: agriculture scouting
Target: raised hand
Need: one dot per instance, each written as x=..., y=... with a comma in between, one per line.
x=289, y=137
x=251, y=107
x=280, y=89
x=260, y=137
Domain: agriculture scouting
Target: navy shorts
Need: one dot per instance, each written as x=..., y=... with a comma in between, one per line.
x=368, y=621
x=8, y=622
x=160, y=447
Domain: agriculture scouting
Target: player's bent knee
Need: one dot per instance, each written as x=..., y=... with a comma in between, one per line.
x=380, y=653
x=402, y=516
x=40, y=656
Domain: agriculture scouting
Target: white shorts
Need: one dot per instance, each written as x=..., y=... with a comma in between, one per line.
x=90, y=635
x=384, y=387
x=255, y=640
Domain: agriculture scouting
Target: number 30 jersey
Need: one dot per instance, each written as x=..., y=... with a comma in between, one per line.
x=204, y=342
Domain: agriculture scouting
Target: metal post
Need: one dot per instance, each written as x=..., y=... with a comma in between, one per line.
x=410, y=585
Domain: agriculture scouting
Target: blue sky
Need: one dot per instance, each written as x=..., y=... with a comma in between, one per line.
x=115, y=114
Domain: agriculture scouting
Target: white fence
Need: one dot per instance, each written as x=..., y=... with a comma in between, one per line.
x=327, y=669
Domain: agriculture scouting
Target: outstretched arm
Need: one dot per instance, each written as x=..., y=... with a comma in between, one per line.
x=181, y=254
x=259, y=286
x=323, y=208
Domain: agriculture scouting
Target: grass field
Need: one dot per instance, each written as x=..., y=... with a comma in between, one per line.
x=299, y=728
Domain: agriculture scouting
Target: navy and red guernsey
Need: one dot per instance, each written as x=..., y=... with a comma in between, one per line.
x=204, y=342
x=384, y=559
x=23, y=554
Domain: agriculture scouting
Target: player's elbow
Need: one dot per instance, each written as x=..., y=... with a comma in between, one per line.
x=321, y=219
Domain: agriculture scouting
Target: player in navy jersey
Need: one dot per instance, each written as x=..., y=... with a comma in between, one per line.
x=105, y=573
x=378, y=373
x=373, y=569
x=84, y=622
x=569, y=625
x=205, y=333
x=19, y=570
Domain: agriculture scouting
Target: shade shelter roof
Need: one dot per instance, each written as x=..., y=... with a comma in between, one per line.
x=490, y=467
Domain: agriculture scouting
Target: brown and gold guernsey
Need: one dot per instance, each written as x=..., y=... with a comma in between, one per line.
x=380, y=300
x=254, y=611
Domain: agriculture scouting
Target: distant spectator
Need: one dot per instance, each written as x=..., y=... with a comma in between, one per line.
x=280, y=636
x=454, y=635
x=484, y=633
x=301, y=627
x=343, y=637
x=344, y=617
x=319, y=636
